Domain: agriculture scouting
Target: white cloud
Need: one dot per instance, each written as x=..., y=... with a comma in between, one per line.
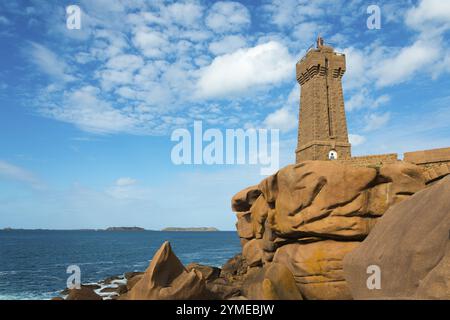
x=186, y=14
x=356, y=139
x=446, y=63
x=125, y=61
x=227, y=17
x=363, y=99
x=357, y=65
x=49, y=62
x=155, y=62
x=376, y=121
x=85, y=109
x=429, y=13
x=17, y=173
x=282, y=119
x=125, y=181
x=285, y=118
x=268, y=63
x=152, y=43
x=111, y=78
x=406, y=63
x=227, y=44
x=287, y=13
x=5, y=21
x=307, y=32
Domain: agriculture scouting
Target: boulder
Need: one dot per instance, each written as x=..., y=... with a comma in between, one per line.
x=129, y=275
x=91, y=286
x=167, y=279
x=209, y=273
x=259, y=212
x=317, y=267
x=243, y=200
x=132, y=280
x=317, y=198
x=309, y=216
x=84, y=293
x=268, y=244
x=436, y=284
x=326, y=199
x=253, y=252
x=234, y=267
x=272, y=282
x=410, y=246
x=244, y=225
x=222, y=288
x=404, y=179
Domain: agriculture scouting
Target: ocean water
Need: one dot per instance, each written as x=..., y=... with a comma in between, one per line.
x=33, y=264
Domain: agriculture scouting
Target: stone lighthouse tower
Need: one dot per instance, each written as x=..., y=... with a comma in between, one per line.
x=322, y=129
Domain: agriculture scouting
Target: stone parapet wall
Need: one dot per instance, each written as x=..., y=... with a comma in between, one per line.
x=428, y=157
x=371, y=160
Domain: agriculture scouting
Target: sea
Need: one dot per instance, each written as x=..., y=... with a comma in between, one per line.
x=34, y=263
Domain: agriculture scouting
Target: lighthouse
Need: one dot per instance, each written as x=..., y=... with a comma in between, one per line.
x=322, y=128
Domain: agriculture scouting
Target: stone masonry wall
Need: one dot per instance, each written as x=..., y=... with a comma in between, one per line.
x=428, y=157
x=371, y=160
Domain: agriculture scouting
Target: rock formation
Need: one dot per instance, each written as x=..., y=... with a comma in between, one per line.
x=84, y=293
x=309, y=232
x=166, y=279
x=309, y=216
x=410, y=245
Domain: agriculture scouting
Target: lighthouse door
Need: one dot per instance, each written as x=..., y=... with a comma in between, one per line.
x=332, y=155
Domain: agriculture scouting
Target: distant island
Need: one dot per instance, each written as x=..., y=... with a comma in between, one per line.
x=204, y=229
x=115, y=229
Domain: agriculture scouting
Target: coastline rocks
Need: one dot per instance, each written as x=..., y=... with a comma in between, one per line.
x=410, y=245
x=132, y=274
x=309, y=216
x=309, y=232
x=84, y=293
x=167, y=279
x=209, y=273
x=131, y=282
x=121, y=289
x=234, y=267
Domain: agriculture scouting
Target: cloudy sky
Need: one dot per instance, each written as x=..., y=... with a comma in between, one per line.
x=86, y=115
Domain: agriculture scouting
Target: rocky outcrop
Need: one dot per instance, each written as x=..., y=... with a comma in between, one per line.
x=209, y=273
x=243, y=200
x=167, y=279
x=309, y=232
x=410, y=246
x=272, y=282
x=84, y=293
x=131, y=282
x=309, y=216
x=234, y=267
x=317, y=267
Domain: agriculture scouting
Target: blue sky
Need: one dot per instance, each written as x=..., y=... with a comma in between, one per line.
x=86, y=115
